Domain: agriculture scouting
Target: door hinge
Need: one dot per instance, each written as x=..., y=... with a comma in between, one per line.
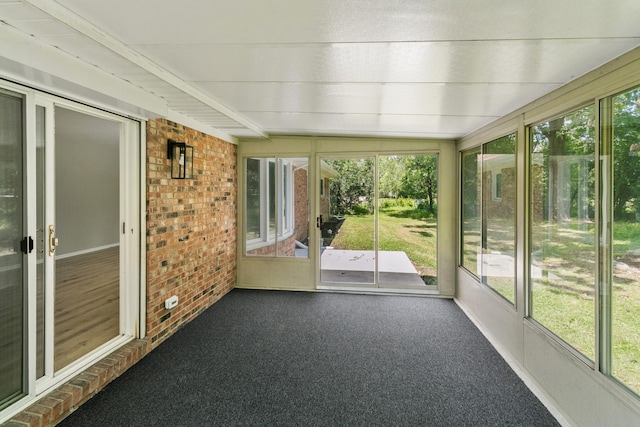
x=26, y=245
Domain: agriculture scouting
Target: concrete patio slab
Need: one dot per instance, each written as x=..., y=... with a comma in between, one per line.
x=352, y=266
x=503, y=265
x=389, y=261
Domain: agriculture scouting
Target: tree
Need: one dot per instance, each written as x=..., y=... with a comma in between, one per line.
x=390, y=171
x=410, y=176
x=420, y=179
x=354, y=186
x=568, y=147
x=626, y=163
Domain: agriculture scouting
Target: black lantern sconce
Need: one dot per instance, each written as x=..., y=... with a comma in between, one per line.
x=181, y=156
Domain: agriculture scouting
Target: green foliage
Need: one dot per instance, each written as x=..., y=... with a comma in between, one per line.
x=420, y=178
x=406, y=178
x=626, y=163
x=361, y=209
x=397, y=203
x=424, y=206
x=354, y=185
x=470, y=183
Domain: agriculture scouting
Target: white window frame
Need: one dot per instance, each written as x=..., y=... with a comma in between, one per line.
x=284, y=209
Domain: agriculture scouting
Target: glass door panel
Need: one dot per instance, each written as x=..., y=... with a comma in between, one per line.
x=407, y=221
x=12, y=267
x=87, y=226
x=40, y=244
x=347, y=221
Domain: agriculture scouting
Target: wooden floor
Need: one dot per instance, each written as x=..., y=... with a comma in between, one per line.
x=87, y=313
x=87, y=304
x=11, y=338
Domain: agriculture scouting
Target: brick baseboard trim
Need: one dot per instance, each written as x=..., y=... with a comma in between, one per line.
x=56, y=405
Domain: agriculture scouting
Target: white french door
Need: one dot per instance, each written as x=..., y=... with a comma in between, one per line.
x=84, y=231
x=69, y=238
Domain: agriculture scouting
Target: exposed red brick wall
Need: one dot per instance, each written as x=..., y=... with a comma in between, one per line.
x=191, y=227
x=325, y=200
x=301, y=205
x=505, y=207
x=537, y=192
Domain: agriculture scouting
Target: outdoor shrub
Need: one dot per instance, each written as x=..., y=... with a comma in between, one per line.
x=405, y=203
x=361, y=209
x=387, y=203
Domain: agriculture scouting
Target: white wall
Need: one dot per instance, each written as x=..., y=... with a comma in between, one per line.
x=87, y=181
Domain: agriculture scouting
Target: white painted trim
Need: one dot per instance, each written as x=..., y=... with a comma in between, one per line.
x=174, y=116
x=142, y=235
x=86, y=28
x=49, y=218
x=30, y=261
x=24, y=58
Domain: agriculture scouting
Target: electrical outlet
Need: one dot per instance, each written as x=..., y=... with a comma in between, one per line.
x=171, y=302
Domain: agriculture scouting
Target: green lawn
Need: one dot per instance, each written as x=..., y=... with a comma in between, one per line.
x=564, y=301
x=400, y=229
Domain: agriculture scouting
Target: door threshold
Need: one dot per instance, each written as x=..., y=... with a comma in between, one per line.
x=370, y=290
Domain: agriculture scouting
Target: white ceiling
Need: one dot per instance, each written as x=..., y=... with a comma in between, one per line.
x=401, y=68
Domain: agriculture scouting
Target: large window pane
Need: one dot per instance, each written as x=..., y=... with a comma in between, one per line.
x=498, y=215
x=563, y=255
x=625, y=291
x=470, y=212
x=276, y=207
x=252, y=192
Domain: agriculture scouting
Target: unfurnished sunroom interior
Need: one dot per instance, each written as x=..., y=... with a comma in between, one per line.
x=503, y=136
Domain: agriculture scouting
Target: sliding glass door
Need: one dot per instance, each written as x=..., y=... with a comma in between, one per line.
x=347, y=256
x=69, y=223
x=12, y=262
x=378, y=221
x=84, y=233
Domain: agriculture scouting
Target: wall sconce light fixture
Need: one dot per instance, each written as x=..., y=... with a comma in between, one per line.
x=181, y=156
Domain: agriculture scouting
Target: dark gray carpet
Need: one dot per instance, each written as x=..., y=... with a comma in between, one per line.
x=277, y=358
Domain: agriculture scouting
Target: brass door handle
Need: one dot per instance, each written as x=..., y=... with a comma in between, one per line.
x=53, y=240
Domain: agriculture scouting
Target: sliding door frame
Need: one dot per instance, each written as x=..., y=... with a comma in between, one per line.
x=132, y=240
